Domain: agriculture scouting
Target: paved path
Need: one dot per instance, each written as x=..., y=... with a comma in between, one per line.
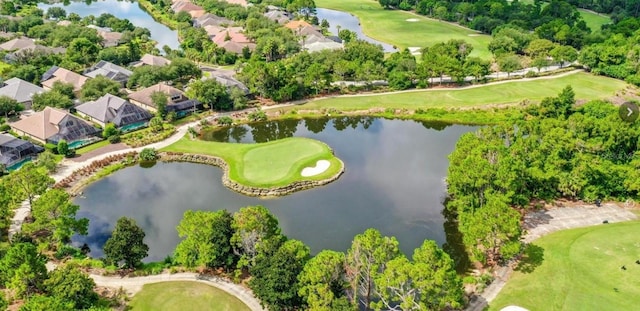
x=543, y=222
x=134, y=284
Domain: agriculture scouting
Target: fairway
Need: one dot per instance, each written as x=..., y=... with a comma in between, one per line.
x=272, y=164
x=184, y=296
x=580, y=270
x=594, y=20
x=586, y=86
x=391, y=26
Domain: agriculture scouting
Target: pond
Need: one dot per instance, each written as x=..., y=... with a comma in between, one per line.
x=394, y=182
x=123, y=10
x=348, y=21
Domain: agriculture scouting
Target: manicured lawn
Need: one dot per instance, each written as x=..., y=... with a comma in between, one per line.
x=580, y=270
x=586, y=86
x=594, y=21
x=184, y=296
x=92, y=147
x=391, y=26
x=271, y=164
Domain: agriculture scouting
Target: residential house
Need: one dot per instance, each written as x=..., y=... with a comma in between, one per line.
x=233, y=41
x=30, y=51
x=229, y=82
x=113, y=109
x=109, y=38
x=211, y=20
x=52, y=125
x=14, y=150
x=177, y=100
x=213, y=30
x=151, y=60
x=277, y=16
x=18, y=44
x=110, y=71
x=63, y=23
x=186, y=6
x=243, y=3
x=20, y=90
x=296, y=25
x=56, y=73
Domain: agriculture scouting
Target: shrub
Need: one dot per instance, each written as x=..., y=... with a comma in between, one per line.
x=63, y=147
x=148, y=154
x=257, y=115
x=225, y=121
x=530, y=74
x=51, y=148
x=5, y=128
x=390, y=111
x=420, y=111
x=114, y=139
x=69, y=251
x=110, y=130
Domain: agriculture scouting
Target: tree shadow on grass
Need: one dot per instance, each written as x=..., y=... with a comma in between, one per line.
x=532, y=257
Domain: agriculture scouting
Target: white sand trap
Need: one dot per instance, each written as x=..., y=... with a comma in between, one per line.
x=413, y=20
x=321, y=166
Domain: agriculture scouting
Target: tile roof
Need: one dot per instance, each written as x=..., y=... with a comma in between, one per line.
x=42, y=124
x=144, y=95
x=20, y=90
x=64, y=75
x=102, y=109
x=152, y=60
x=109, y=70
x=17, y=44
x=296, y=24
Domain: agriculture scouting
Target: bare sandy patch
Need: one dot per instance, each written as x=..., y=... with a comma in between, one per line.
x=321, y=166
x=412, y=20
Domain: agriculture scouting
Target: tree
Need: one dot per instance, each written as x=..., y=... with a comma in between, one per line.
x=322, y=281
x=47, y=160
x=160, y=100
x=110, y=130
x=509, y=63
x=539, y=48
x=72, y=285
x=476, y=67
x=56, y=12
x=63, y=147
x=126, y=244
x=82, y=51
x=8, y=106
x=65, y=89
x=29, y=181
x=252, y=225
x=55, y=217
x=564, y=53
x=492, y=231
x=239, y=98
x=540, y=62
x=23, y=269
x=206, y=239
x=274, y=276
x=98, y=87
x=50, y=99
x=211, y=93
x=429, y=282
x=366, y=258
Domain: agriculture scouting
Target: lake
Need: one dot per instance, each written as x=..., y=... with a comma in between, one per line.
x=348, y=21
x=394, y=181
x=123, y=10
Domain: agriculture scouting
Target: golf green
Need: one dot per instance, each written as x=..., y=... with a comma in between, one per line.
x=184, y=296
x=272, y=164
x=592, y=268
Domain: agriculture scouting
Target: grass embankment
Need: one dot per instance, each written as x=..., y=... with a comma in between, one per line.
x=158, y=15
x=272, y=164
x=184, y=296
x=92, y=147
x=579, y=269
x=391, y=26
x=586, y=86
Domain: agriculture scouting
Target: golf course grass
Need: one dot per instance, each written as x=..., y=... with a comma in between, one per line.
x=184, y=296
x=272, y=164
x=594, y=20
x=391, y=26
x=579, y=269
x=586, y=87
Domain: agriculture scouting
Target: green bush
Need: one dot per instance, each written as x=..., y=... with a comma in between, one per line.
x=148, y=154
x=530, y=74
x=63, y=147
x=257, y=115
x=114, y=139
x=51, y=148
x=5, y=128
x=69, y=251
x=225, y=121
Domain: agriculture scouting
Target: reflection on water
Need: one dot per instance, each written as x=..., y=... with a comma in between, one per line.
x=347, y=21
x=123, y=10
x=394, y=181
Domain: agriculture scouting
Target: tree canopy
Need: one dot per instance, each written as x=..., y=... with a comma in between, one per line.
x=126, y=245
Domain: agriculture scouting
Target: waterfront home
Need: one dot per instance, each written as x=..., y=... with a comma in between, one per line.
x=151, y=60
x=52, y=125
x=186, y=6
x=13, y=150
x=280, y=17
x=211, y=20
x=113, y=109
x=20, y=90
x=177, y=101
x=110, y=71
x=56, y=73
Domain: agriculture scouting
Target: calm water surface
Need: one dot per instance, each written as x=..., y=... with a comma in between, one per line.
x=394, y=181
x=348, y=21
x=123, y=10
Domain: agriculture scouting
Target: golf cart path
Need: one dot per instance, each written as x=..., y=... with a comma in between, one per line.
x=133, y=285
x=546, y=221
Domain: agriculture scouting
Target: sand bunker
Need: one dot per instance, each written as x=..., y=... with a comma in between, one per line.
x=413, y=20
x=321, y=166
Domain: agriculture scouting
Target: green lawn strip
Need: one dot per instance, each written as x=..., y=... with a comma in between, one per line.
x=184, y=296
x=92, y=147
x=272, y=164
x=391, y=26
x=580, y=270
x=586, y=86
x=593, y=20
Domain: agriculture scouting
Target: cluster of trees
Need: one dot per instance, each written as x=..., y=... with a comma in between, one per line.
x=617, y=57
x=180, y=71
x=557, y=150
x=373, y=274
